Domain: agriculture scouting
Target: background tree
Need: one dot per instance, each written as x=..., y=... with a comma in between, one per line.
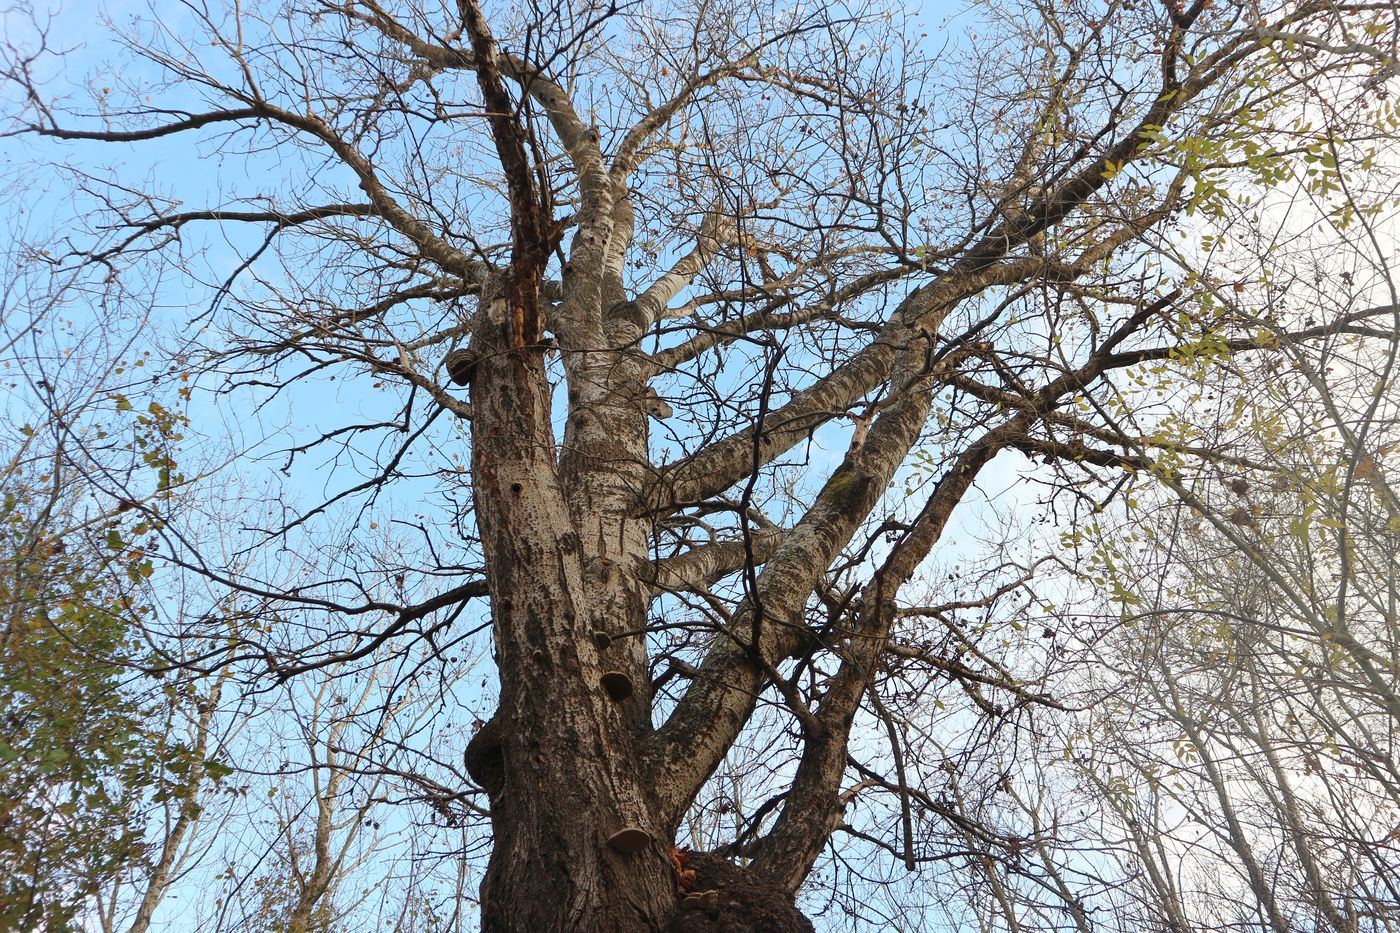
x=1256, y=710
x=101, y=765
x=745, y=301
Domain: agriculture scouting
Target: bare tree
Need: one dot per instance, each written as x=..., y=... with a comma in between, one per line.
x=745, y=299
x=1252, y=735
x=327, y=827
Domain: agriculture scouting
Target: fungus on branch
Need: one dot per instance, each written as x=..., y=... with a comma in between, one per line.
x=461, y=365
x=654, y=405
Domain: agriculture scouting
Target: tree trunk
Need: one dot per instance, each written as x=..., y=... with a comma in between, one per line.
x=551, y=866
x=558, y=759
x=742, y=901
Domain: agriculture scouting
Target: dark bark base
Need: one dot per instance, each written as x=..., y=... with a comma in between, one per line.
x=746, y=903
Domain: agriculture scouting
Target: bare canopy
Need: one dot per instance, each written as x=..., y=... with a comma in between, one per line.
x=666, y=339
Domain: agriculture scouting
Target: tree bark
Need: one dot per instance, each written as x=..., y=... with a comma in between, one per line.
x=557, y=760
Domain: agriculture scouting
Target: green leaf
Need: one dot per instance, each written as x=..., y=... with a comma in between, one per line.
x=217, y=769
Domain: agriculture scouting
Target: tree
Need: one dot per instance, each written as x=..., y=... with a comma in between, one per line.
x=92, y=752
x=745, y=300
x=1253, y=675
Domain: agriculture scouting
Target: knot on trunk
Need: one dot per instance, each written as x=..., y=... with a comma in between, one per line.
x=744, y=901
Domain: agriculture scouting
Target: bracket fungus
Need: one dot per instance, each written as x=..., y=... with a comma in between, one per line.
x=617, y=684
x=630, y=839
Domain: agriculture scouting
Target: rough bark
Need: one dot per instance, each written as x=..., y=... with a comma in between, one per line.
x=559, y=758
x=744, y=901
